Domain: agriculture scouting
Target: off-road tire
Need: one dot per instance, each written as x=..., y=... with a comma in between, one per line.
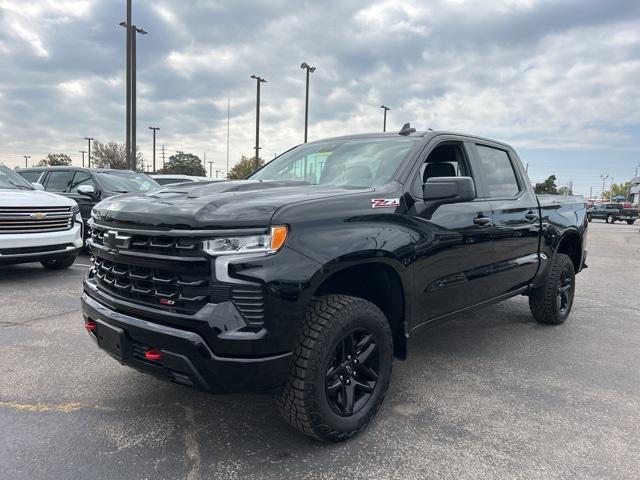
x=58, y=263
x=610, y=219
x=589, y=218
x=630, y=222
x=545, y=303
x=304, y=402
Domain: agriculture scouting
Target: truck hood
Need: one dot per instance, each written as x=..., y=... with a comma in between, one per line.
x=230, y=204
x=33, y=198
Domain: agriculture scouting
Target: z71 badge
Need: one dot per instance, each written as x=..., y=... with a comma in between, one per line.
x=385, y=203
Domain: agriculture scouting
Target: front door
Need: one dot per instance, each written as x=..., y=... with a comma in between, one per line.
x=453, y=254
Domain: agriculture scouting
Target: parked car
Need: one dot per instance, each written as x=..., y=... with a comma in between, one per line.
x=612, y=212
x=88, y=186
x=175, y=178
x=310, y=276
x=37, y=226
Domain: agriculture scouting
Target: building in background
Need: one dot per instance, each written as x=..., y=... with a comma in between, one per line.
x=634, y=191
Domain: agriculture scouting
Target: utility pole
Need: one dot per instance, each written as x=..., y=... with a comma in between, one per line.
x=611, y=191
x=258, y=80
x=590, y=193
x=228, y=124
x=211, y=170
x=309, y=69
x=162, y=156
x=130, y=143
x=26, y=159
x=88, y=139
x=154, y=146
x=384, y=122
x=82, y=152
x=638, y=166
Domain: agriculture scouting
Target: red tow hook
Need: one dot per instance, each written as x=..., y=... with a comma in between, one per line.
x=153, y=355
x=90, y=325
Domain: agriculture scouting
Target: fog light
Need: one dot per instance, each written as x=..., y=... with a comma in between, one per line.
x=90, y=325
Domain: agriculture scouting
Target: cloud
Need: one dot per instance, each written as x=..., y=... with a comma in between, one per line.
x=541, y=74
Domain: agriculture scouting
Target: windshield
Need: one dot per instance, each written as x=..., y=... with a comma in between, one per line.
x=12, y=181
x=362, y=162
x=125, y=182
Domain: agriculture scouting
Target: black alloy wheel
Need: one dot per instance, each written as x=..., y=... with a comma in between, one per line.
x=564, y=296
x=353, y=372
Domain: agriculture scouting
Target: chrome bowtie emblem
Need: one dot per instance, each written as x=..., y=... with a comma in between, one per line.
x=114, y=240
x=38, y=216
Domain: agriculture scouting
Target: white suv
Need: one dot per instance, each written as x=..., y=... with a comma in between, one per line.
x=37, y=226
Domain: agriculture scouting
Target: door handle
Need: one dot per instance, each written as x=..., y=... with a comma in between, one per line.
x=482, y=221
x=532, y=217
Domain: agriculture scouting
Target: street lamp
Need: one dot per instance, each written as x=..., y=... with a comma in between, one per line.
x=309, y=70
x=26, y=159
x=384, y=122
x=88, y=139
x=258, y=80
x=211, y=170
x=82, y=152
x=130, y=141
x=154, y=146
x=603, y=177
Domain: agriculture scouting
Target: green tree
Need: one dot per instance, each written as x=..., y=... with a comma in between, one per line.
x=55, y=160
x=548, y=186
x=184, y=164
x=113, y=155
x=565, y=191
x=245, y=167
x=618, y=189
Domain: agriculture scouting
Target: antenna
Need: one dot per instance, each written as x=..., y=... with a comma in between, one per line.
x=406, y=129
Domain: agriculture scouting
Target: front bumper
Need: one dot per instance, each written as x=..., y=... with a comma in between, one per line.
x=35, y=247
x=186, y=357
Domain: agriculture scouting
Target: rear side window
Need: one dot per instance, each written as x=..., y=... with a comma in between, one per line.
x=59, y=181
x=498, y=172
x=31, y=176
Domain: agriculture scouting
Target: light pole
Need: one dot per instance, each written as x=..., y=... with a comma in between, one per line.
x=309, y=69
x=88, y=139
x=154, y=146
x=130, y=141
x=258, y=80
x=82, y=152
x=603, y=177
x=611, y=191
x=637, y=167
x=384, y=122
x=26, y=159
x=211, y=170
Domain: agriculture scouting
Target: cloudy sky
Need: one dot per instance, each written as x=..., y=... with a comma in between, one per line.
x=560, y=80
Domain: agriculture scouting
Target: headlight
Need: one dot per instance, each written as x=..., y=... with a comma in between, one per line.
x=266, y=243
x=75, y=209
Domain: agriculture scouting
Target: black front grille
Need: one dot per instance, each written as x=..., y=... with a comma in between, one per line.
x=158, y=288
x=155, y=244
x=29, y=250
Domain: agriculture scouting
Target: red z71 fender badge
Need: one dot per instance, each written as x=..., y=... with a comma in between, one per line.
x=385, y=203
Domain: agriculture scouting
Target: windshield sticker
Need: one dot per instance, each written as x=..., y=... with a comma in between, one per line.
x=385, y=203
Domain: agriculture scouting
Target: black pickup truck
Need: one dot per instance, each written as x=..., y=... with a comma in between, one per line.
x=309, y=277
x=612, y=212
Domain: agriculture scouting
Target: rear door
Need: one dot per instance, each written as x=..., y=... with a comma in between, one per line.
x=453, y=251
x=514, y=215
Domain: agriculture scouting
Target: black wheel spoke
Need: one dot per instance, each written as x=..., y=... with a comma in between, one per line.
x=349, y=399
x=365, y=387
x=334, y=386
x=366, y=353
x=367, y=372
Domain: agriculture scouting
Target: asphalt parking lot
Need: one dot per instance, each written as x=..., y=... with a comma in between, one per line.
x=487, y=395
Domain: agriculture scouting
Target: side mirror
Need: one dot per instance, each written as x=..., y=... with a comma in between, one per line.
x=449, y=190
x=87, y=190
x=37, y=186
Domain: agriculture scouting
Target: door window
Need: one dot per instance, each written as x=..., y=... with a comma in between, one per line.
x=59, y=181
x=498, y=173
x=80, y=178
x=445, y=160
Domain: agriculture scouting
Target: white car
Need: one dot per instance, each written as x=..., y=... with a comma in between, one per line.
x=37, y=226
x=170, y=179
